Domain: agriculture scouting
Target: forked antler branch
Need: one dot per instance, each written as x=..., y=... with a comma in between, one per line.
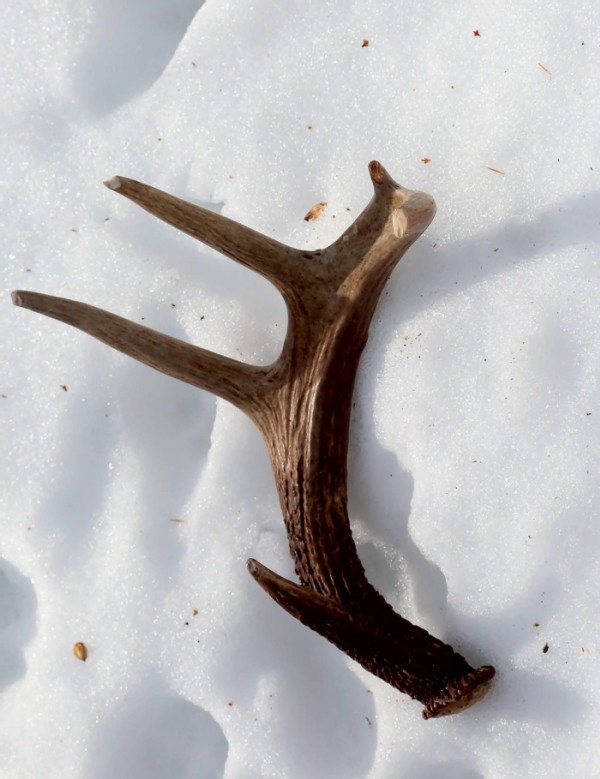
x=301, y=404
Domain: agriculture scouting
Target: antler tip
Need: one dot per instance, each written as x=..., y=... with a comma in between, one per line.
x=380, y=177
x=34, y=301
x=254, y=568
x=113, y=183
x=377, y=171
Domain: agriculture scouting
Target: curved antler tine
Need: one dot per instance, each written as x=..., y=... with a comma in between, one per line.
x=437, y=676
x=280, y=264
x=316, y=611
x=235, y=381
x=382, y=181
x=412, y=211
x=383, y=232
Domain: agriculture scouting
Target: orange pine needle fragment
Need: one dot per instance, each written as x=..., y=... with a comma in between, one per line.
x=543, y=67
x=496, y=170
x=177, y=521
x=315, y=212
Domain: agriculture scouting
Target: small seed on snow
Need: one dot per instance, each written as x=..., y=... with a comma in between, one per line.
x=80, y=651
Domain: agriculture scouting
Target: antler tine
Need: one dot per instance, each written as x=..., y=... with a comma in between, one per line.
x=384, y=643
x=280, y=264
x=386, y=228
x=235, y=381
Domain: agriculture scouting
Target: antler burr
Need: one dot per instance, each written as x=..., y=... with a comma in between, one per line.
x=301, y=405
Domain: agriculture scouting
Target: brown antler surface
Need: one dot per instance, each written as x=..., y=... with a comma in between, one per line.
x=301, y=405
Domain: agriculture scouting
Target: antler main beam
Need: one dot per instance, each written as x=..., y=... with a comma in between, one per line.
x=301, y=405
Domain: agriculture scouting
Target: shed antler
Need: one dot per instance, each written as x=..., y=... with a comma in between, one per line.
x=301, y=405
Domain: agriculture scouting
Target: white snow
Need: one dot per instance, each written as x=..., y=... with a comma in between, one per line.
x=130, y=502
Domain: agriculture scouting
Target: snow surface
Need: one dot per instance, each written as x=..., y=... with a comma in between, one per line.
x=129, y=500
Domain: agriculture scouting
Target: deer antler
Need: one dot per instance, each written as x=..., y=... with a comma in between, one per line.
x=301, y=404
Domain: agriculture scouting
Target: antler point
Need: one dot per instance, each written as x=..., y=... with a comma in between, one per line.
x=113, y=183
x=377, y=171
x=380, y=177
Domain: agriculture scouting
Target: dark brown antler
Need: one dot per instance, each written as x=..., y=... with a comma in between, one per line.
x=301, y=404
